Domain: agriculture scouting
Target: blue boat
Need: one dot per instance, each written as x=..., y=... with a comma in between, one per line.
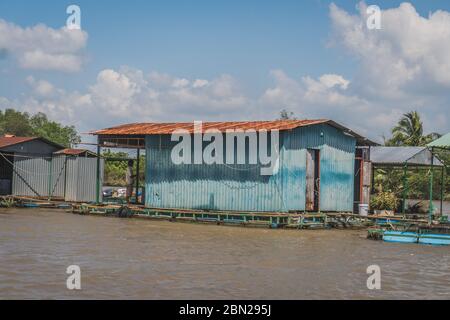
x=434, y=238
x=435, y=234
x=400, y=236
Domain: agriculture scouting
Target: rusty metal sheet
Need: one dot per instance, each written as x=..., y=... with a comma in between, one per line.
x=169, y=128
x=12, y=140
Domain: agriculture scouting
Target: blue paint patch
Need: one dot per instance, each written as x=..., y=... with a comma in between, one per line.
x=243, y=188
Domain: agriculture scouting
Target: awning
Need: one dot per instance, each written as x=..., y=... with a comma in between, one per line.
x=442, y=143
x=395, y=156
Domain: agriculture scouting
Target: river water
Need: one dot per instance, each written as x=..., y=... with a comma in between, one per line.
x=146, y=259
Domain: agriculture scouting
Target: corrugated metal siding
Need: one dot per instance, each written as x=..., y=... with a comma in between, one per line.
x=220, y=187
x=336, y=180
x=38, y=176
x=44, y=176
x=337, y=152
x=57, y=169
x=82, y=178
x=241, y=187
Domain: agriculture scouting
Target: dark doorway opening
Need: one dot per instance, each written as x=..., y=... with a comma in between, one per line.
x=357, y=182
x=362, y=181
x=6, y=173
x=312, y=180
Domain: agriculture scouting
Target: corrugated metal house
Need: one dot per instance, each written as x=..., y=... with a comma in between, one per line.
x=316, y=168
x=37, y=167
x=12, y=148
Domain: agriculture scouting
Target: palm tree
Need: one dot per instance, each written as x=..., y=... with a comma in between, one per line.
x=409, y=132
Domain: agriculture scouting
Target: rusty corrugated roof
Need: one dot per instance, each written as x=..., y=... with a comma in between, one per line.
x=170, y=127
x=6, y=141
x=69, y=151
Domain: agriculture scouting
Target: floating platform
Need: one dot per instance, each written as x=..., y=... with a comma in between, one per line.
x=34, y=202
x=422, y=234
x=435, y=234
x=274, y=220
x=400, y=236
x=388, y=228
x=435, y=239
x=270, y=220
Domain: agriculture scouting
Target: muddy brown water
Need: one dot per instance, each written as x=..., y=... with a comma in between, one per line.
x=146, y=259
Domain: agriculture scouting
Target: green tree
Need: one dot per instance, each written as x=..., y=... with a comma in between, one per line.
x=409, y=132
x=21, y=124
x=115, y=170
x=286, y=115
x=53, y=131
x=15, y=122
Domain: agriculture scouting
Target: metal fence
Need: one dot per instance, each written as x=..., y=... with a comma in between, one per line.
x=68, y=177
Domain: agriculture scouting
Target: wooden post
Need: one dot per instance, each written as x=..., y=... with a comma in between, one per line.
x=137, y=174
x=97, y=195
x=65, y=176
x=405, y=187
x=50, y=179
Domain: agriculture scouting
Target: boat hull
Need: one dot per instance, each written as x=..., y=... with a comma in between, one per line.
x=400, y=236
x=435, y=239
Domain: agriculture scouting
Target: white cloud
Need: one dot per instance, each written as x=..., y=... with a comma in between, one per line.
x=180, y=83
x=408, y=49
x=401, y=67
x=334, y=80
x=198, y=83
x=128, y=95
x=395, y=74
x=114, y=92
x=43, y=48
x=41, y=87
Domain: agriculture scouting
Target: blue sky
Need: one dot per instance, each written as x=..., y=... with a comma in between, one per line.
x=250, y=42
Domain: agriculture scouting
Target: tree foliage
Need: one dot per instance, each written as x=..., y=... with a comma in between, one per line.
x=286, y=115
x=409, y=131
x=22, y=124
x=42, y=127
x=15, y=122
x=115, y=170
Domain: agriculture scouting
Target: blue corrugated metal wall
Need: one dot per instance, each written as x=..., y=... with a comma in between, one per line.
x=242, y=188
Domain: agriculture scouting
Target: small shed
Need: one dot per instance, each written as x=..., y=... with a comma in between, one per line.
x=406, y=158
x=12, y=148
x=37, y=167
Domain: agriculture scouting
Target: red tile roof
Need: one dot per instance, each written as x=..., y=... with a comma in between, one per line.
x=169, y=128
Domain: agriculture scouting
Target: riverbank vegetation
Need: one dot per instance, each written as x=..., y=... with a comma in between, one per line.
x=409, y=131
x=38, y=125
